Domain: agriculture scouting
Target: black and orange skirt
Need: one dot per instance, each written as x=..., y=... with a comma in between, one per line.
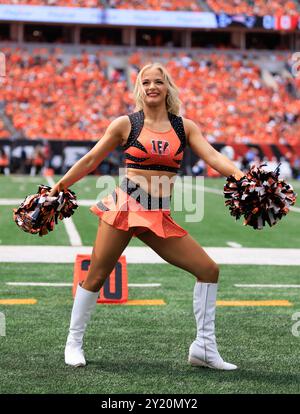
x=130, y=206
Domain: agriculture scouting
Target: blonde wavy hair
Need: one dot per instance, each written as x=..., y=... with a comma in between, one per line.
x=173, y=102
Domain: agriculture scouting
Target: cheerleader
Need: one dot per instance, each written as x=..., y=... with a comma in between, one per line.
x=153, y=139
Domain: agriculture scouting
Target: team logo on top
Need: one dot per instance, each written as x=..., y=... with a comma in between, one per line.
x=160, y=147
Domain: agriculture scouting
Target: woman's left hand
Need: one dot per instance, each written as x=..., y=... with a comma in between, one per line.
x=238, y=175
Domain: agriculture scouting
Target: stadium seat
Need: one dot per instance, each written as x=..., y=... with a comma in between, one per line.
x=76, y=100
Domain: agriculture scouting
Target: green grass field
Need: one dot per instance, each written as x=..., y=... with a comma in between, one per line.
x=216, y=228
x=143, y=349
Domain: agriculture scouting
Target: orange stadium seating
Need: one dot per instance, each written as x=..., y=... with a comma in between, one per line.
x=3, y=131
x=255, y=7
x=258, y=7
x=121, y=4
x=189, y=5
x=64, y=3
x=225, y=94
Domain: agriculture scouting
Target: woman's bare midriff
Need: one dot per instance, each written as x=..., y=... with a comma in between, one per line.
x=156, y=183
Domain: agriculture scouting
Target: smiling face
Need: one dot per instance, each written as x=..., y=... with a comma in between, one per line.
x=154, y=87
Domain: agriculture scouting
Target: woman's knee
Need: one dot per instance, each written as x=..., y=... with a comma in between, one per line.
x=96, y=278
x=210, y=274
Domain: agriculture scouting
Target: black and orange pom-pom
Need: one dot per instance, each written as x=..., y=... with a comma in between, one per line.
x=260, y=196
x=38, y=212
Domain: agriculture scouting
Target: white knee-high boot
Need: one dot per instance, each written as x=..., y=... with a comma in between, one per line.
x=203, y=351
x=84, y=303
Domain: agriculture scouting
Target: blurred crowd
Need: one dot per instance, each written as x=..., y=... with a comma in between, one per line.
x=48, y=98
x=39, y=160
x=289, y=164
x=64, y=3
x=255, y=7
x=250, y=7
x=183, y=5
x=19, y=160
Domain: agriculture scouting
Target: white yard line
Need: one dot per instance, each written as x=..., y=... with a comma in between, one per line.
x=11, y=201
x=221, y=255
x=46, y=284
x=39, y=284
x=268, y=286
x=233, y=244
x=144, y=284
x=74, y=236
x=25, y=179
x=295, y=209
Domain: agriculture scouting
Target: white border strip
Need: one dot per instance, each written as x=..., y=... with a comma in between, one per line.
x=268, y=286
x=233, y=244
x=221, y=255
x=46, y=284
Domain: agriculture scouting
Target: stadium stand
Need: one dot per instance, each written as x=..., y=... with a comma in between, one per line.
x=64, y=3
x=233, y=98
x=189, y=5
x=3, y=131
x=255, y=7
x=183, y=5
x=250, y=7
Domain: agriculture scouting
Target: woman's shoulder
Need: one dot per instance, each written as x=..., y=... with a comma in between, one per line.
x=121, y=120
x=187, y=124
x=122, y=126
x=120, y=123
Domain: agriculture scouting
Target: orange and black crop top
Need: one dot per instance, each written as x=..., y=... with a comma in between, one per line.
x=149, y=150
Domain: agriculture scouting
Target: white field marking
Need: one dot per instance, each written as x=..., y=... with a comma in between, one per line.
x=144, y=284
x=10, y=201
x=268, y=286
x=295, y=209
x=71, y=284
x=74, y=236
x=233, y=244
x=38, y=284
x=26, y=179
x=221, y=255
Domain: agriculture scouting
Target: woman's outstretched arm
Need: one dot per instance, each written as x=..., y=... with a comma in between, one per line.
x=205, y=151
x=109, y=141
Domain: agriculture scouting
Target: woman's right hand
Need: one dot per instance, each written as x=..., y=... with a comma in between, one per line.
x=55, y=190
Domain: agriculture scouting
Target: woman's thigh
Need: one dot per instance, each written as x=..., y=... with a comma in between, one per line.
x=108, y=247
x=184, y=252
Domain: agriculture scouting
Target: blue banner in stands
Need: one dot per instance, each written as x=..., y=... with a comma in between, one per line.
x=152, y=18
x=47, y=14
x=149, y=18
x=160, y=18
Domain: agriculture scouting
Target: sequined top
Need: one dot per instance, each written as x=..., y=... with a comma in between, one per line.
x=152, y=150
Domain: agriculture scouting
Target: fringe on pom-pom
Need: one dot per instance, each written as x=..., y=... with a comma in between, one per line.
x=260, y=196
x=38, y=213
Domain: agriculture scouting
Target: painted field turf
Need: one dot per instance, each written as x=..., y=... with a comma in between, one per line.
x=140, y=349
